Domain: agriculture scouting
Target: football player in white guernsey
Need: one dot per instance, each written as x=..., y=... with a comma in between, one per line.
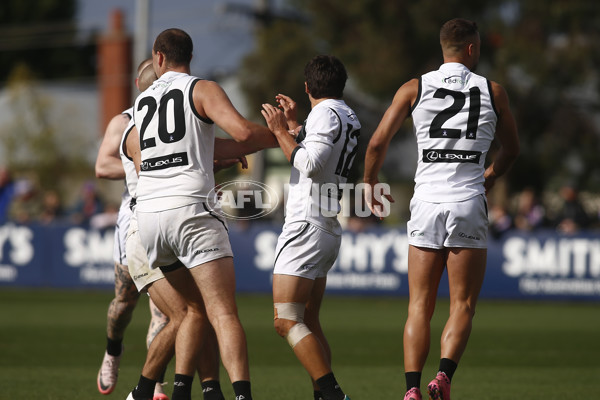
x=109, y=166
x=162, y=348
x=321, y=154
x=456, y=114
x=175, y=120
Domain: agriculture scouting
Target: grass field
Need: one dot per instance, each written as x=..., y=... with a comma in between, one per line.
x=52, y=343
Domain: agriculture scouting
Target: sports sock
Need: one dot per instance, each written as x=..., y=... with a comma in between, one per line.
x=317, y=395
x=182, y=387
x=114, y=347
x=330, y=389
x=161, y=378
x=144, y=389
x=448, y=367
x=413, y=379
x=212, y=390
x=242, y=390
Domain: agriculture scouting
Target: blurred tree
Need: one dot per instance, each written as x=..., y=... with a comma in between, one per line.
x=547, y=57
x=43, y=35
x=545, y=53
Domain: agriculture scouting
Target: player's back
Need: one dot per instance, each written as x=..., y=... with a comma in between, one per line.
x=454, y=121
x=316, y=198
x=177, y=145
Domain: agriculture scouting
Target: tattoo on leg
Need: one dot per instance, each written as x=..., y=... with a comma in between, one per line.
x=120, y=310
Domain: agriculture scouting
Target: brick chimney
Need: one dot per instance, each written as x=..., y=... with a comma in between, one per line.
x=114, y=70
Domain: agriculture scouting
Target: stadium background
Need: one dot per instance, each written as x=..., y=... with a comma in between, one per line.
x=535, y=333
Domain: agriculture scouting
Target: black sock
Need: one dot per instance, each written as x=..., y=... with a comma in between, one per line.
x=448, y=367
x=212, y=390
x=317, y=395
x=144, y=389
x=114, y=347
x=182, y=387
x=413, y=379
x=161, y=378
x=242, y=390
x=330, y=390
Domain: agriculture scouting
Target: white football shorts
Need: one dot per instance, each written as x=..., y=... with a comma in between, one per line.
x=190, y=234
x=121, y=229
x=140, y=271
x=458, y=224
x=305, y=250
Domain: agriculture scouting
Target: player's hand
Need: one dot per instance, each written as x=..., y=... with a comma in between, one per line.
x=275, y=118
x=223, y=164
x=490, y=180
x=289, y=110
x=378, y=199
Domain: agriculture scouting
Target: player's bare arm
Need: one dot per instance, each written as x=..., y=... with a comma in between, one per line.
x=506, y=132
x=228, y=153
x=226, y=149
x=132, y=148
x=108, y=162
x=277, y=123
x=211, y=101
x=391, y=122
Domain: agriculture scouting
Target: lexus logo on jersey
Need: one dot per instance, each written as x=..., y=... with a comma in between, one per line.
x=451, y=156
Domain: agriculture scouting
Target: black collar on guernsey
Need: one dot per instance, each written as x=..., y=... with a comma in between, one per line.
x=302, y=134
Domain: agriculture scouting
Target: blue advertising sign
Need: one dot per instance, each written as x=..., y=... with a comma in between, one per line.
x=543, y=265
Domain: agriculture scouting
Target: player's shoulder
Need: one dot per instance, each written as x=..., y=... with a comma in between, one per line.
x=206, y=85
x=118, y=123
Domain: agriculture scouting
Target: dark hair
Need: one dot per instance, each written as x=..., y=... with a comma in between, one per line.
x=325, y=77
x=457, y=33
x=176, y=45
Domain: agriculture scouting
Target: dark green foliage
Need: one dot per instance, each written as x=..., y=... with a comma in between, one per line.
x=43, y=35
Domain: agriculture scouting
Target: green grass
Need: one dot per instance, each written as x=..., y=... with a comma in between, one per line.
x=51, y=345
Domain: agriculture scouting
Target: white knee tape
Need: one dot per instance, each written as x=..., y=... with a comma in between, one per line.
x=297, y=333
x=293, y=312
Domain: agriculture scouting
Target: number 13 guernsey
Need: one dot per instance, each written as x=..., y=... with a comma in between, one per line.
x=177, y=145
x=454, y=120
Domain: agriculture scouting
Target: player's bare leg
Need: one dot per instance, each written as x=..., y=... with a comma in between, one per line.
x=120, y=310
x=158, y=321
x=187, y=341
x=311, y=318
x=425, y=268
x=312, y=348
x=162, y=348
x=119, y=315
x=309, y=351
x=216, y=280
x=466, y=270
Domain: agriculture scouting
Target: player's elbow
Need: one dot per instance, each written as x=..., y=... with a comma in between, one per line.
x=101, y=172
x=376, y=145
x=312, y=169
x=243, y=135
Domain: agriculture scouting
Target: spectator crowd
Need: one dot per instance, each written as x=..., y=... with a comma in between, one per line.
x=567, y=210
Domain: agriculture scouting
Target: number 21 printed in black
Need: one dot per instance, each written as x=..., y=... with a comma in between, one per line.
x=174, y=96
x=438, y=131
